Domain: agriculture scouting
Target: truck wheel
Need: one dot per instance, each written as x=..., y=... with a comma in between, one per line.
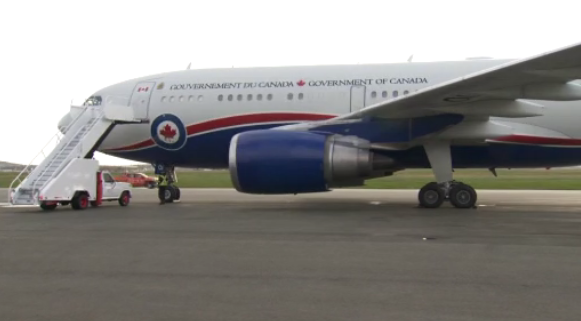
x=80, y=202
x=124, y=199
x=47, y=207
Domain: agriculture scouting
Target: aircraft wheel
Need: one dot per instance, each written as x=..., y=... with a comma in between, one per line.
x=177, y=193
x=431, y=195
x=463, y=196
x=169, y=194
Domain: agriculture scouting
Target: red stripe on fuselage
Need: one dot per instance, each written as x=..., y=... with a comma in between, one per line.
x=253, y=119
x=143, y=144
x=222, y=123
x=538, y=140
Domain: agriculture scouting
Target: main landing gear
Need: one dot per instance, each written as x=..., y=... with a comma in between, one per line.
x=172, y=192
x=433, y=194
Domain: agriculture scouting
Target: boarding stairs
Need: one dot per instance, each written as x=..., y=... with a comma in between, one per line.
x=81, y=139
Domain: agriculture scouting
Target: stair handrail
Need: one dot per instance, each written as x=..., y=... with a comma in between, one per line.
x=17, y=178
x=47, y=166
x=57, y=170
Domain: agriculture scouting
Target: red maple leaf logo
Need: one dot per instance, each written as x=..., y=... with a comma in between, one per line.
x=301, y=83
x=167, y=131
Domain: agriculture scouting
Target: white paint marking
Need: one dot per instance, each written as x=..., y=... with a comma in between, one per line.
x=16, y=206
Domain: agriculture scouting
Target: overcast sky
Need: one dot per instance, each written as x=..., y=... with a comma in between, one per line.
x=56, y=51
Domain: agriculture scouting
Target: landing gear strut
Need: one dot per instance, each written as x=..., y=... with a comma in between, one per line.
x=433, y=194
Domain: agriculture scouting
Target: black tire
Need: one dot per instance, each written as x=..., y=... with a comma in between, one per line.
x=463, y=196
x=151, y=185
x=431, y=196
x=48, y=207
x=80, y=202
x=94, y=204
x=177, y=193
x=124, y=198
x=169, y=194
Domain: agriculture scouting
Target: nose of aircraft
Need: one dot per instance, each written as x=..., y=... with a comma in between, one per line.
x=117, y=94
x=64, y=122
x=68, y=118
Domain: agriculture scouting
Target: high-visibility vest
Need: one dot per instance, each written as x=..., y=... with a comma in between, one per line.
x=162, y=181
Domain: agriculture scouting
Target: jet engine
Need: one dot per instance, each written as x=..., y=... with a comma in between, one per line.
x=287, y=162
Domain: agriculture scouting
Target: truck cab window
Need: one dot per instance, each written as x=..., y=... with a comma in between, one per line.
x=107, y=178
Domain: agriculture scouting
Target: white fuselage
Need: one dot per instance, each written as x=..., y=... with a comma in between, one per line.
x=230, y=100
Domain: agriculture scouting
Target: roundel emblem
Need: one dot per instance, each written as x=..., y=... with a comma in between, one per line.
x=168, y=132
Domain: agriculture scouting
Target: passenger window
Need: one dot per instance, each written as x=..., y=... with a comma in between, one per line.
x=171, y=99
x=200, y=98
x=384, y=94
x=373, y=94
x=406, y=92
x=191, y=98
x=394, y=93
x=239, y=97
x=290, y=96
x=220, y=97
x=163, y=99
x=301, y=96
x=259, y=97
x=249, y=97
x=230, y=97
x=269, y=97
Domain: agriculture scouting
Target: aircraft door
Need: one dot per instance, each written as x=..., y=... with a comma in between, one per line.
x=357, y=98
x=140, y=99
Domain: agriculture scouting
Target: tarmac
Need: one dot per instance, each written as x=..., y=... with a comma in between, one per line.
x=343, y=255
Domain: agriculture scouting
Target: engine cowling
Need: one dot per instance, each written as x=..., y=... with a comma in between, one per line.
x=287, y=162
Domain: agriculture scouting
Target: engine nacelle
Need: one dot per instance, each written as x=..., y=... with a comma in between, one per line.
x=287, y=162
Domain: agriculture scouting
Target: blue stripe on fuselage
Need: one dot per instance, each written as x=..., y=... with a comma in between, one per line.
x=210, y=150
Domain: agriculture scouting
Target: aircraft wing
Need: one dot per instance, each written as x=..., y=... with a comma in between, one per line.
x=494, y=92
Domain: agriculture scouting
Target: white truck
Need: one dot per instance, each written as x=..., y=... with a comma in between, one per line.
x=83, y=184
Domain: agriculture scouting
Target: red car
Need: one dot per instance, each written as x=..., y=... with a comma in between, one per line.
x=137, y=180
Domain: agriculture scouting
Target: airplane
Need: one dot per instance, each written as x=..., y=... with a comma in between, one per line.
x=309, y=129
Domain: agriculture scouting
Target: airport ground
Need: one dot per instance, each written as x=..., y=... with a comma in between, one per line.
x=537, y=179
x=344, y=255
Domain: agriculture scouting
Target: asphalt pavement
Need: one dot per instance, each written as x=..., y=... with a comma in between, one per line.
x=345, y=255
